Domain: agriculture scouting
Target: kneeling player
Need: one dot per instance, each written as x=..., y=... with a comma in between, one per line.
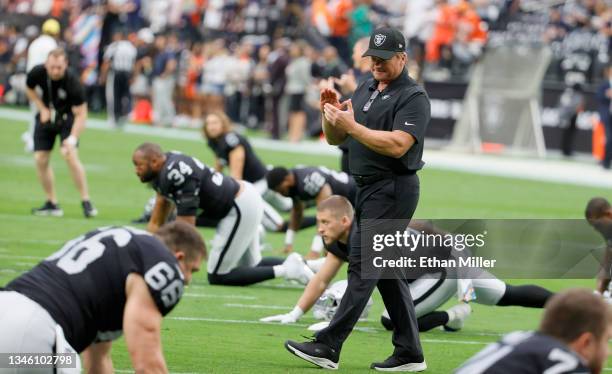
x=235, y=258
x=102, y=284
x=306, y=185
x=335, y=215
x=572, y=339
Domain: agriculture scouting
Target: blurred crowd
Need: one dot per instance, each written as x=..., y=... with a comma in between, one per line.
x=262, y=61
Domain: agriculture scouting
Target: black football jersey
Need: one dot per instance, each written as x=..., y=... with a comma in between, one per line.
x=524, y=352
x=191, y=185
x=82, y=285
x=254, y=170
x=339, y=250
x=310, y=180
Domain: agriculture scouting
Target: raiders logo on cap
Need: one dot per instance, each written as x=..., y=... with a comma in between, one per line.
x=385, y=42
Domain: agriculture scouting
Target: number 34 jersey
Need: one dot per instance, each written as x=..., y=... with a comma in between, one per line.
x=191, y=185
x=82, y=286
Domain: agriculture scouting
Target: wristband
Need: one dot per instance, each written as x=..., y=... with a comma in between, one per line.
x=71, y=140
x=296, y=313
x=289, y=235
x=317, y=244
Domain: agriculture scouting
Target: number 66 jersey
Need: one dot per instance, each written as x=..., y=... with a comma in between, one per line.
x=82, y=286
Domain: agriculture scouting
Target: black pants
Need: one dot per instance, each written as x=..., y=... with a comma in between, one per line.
x=118, y=96
x=567, y=139
x=387, y=199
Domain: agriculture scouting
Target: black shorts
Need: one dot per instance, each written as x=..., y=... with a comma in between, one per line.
x=296, y=102
x=44, y=135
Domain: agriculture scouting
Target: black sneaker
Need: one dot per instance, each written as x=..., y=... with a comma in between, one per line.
x=48, y=209
x=395, y=364
x=88, y=209
x=315, y=352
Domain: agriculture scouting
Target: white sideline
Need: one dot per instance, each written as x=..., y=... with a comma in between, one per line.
x=548, y=170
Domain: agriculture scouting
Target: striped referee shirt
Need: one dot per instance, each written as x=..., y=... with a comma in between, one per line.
x=122, y=55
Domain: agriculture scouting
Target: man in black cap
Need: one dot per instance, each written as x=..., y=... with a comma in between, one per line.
x=384, y=134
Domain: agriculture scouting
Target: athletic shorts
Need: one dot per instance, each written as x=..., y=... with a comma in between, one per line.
x=296, y=102
x=45, y=135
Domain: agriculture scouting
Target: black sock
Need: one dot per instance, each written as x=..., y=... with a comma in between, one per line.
x=529, y=296
x=271, y=261
x=242, y=276
x=432, y=320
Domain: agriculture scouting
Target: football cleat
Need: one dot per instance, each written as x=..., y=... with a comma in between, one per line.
x=296, y=269
x=457, y=316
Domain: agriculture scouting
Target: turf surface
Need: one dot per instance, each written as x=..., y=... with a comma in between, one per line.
x=215, y=329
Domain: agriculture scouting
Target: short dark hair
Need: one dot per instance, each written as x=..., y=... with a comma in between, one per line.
x=339, y=205
x=58, y=52
x=596, y=207
x=149, y=150
x=276, y=176
x=571, y=313
x=181, y=236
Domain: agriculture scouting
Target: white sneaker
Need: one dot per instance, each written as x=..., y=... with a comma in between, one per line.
x=457, y=316
x=296, y=269
x=28, y=139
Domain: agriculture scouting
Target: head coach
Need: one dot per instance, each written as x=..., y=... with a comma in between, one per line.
x=384, y=125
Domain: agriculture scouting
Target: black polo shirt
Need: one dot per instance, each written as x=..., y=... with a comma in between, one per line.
x=403, y=105
x=63, y=93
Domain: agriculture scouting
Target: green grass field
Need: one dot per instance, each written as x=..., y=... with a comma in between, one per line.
x=215, y=329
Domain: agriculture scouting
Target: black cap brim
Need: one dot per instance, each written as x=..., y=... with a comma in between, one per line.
x=385, y=55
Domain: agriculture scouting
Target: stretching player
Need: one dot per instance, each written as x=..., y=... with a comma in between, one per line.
x=599, y=215
x=235, y=258
x=335, y=216
x=234, y=151
x=572, y=339
x=304, y=185
x=104, y=283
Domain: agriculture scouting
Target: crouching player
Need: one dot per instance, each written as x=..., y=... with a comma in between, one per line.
x=105, y=283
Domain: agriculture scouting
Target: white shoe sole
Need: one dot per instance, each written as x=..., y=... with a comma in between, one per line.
x=52, y=213
x=320, y=362
x=411, y=367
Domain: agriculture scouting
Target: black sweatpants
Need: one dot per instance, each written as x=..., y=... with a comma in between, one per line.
x=395, y=198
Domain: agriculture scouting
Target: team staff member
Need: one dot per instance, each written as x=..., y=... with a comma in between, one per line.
x=385, y=133
x=105, y=283
x=62, y=111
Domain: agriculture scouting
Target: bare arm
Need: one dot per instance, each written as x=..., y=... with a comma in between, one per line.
x=297, y=212
x=603, y=278
x=389, y=143
x=31, y=94
x=159, y=214
x=324, y=193
x=142, y=327
x=80, y=116
x=218, y=165
x=236, y=162
x=319, y=282
x=97, y=358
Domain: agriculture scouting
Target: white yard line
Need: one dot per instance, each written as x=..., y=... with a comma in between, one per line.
x=20, y=257
x=35, y=241
x=547, y=170
x=255, y=306
x=212, y=296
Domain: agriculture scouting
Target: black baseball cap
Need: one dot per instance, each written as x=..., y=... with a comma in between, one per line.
x=385, y=42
